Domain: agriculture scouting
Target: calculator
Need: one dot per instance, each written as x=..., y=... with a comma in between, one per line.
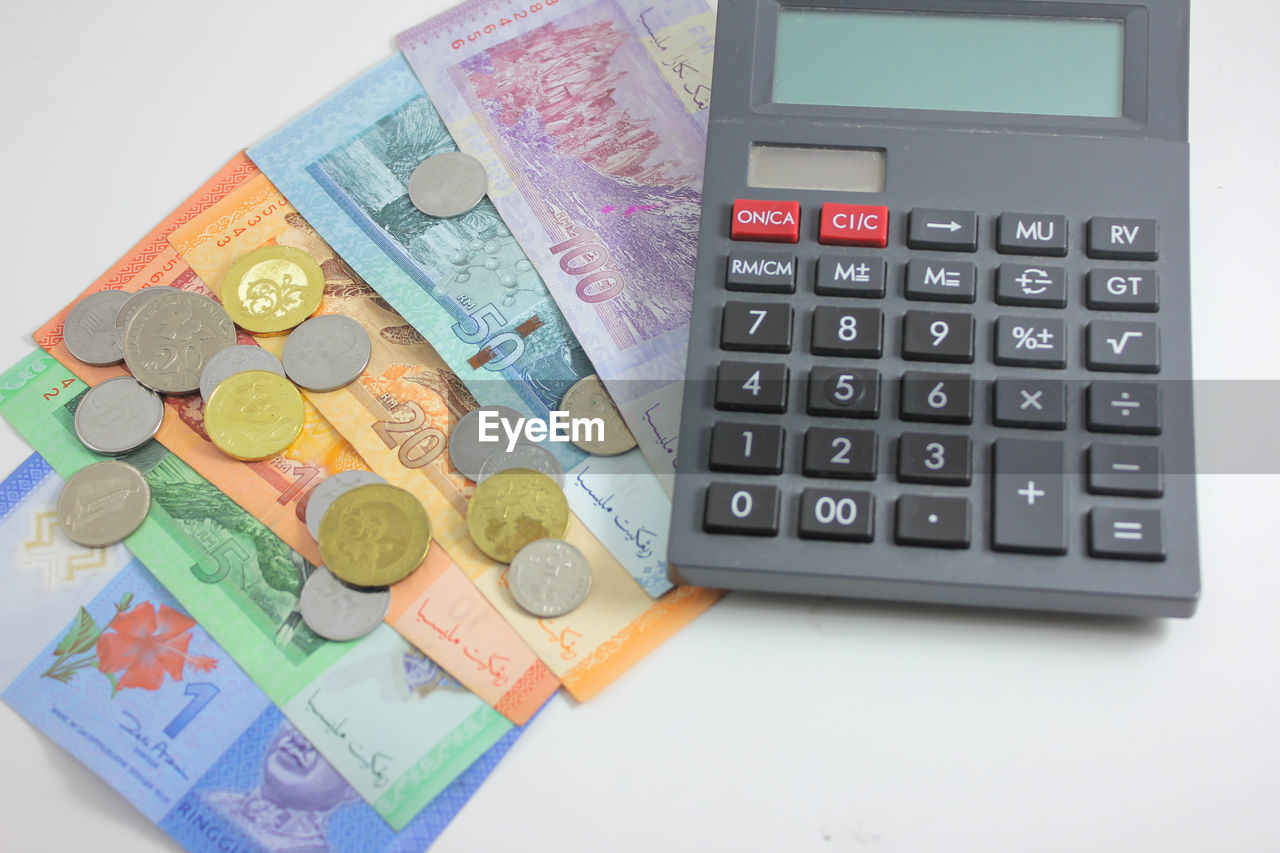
x=940, y=343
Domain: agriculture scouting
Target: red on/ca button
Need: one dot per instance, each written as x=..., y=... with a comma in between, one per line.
x=767, y=221
x=854, y=225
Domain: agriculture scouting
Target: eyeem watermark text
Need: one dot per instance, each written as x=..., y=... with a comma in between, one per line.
x=558, y=427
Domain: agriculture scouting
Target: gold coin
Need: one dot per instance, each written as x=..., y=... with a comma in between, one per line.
x=253, y=415
x=512, y=508
x=272, y=289
x=374, y=535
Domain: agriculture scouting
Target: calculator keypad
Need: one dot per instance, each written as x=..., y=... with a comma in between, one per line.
x=840, y=316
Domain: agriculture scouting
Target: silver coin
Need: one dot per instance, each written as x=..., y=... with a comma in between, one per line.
x=90, y=330
x=588, y=399
x=448, y=184
x=172, y=337
x=233, y=360
x=326, y=353
x=466, y=451
x=340, y=612
x=530, y=456
x=118, y=415
x=103, y=503
x=330, y=489
x=130, y=307
x=549, y=578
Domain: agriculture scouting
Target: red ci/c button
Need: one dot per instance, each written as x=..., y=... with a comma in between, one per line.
x=854, y=225
x=767, y=221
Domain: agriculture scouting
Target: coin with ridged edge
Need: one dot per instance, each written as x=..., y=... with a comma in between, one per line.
x=118, y=415
x=466, y=451
x=588, y=399
x=326, y=353
x=272, y=289
x=254, y=415
x=513, y=508
x=448, y=184
x=549, y=578
x=338, y=611
x=172, y=337
x=374, y=535
x=329, y=490
x=103, y=503
x=90, y=328
x=233, y=360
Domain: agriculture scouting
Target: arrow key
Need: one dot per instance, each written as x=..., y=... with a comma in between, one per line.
x=945, y=230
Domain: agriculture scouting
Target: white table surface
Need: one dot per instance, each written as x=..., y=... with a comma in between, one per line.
x=769, y=725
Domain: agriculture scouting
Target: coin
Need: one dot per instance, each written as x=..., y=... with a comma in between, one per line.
x=549, y=578
x=531, y=456
x=272, y=289
x=90, y=328
x=103, y=503
x=253, y=415
x=130, y=307
x=513, y=508
x=327, y=352
x=466, y=451
x=588, y=399
x=374, y=535
x=233, y=360
x=172, y=337
x=448, y=184
x=330, y=489
x=118, y=415
x=339, y=612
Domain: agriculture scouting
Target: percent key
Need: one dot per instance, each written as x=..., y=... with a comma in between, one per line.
x=1031, y=342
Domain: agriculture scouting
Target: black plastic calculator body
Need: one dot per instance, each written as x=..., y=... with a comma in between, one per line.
x=940, y=347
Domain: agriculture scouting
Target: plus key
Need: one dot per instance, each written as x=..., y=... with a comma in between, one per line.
x=1028, y=511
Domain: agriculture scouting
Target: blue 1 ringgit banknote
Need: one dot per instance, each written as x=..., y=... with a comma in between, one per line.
x=464, y=283
x=591, y=117
x=125, y=680
x=397, y=745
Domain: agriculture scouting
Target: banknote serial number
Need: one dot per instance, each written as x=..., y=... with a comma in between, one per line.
x=489, y=29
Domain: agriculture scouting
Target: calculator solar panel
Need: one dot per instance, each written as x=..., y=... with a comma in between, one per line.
x=940, y=348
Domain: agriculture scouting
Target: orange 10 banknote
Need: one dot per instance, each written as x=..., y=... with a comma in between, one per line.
x=478, y=647
x=399, y=415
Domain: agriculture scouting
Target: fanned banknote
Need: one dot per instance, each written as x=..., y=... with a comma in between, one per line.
x=463, y=283
x=591, y=117
x=400, y=412
x=397, y=746
x=276, y=490
x=126, y=682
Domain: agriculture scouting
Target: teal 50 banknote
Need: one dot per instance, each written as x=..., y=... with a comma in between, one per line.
x=130, y=685
x=464, y=283
x=397, y=745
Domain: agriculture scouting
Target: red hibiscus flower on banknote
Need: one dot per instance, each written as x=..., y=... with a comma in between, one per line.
x=140, y=645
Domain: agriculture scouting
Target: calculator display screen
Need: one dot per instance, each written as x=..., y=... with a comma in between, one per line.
x=935, y=61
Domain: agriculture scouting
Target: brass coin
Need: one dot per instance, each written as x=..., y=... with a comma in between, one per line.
x=374, y=535
x=588, y=399
x=513, y=508
x=272, y=289
x=253, y=415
